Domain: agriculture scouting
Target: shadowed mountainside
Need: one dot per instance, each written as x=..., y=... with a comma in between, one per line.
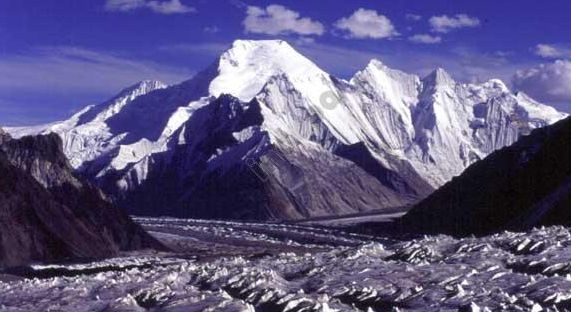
x=527, y=184
x=46, y=214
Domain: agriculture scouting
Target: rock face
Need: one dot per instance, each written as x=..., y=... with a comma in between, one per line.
x=49, y=215
x=4, y=136
x=205, y=141
x=527, y=184
x=235, y=172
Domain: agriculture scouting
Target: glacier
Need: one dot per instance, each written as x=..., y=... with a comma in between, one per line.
x=239, y=266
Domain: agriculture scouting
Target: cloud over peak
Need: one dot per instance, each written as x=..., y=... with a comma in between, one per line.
x=276, y=19
x=161, y=7
x=547, y=82
x=445, y=23
x=365, y=23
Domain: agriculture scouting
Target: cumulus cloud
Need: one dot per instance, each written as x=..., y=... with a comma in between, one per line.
x=445, y=23
x=161, y=7
x=211, y=29
x=124, y=5
x=546, y=82
x=552, y=51
x=413, y=17
x=425, y=38
x=367, y=24
x=276, y=19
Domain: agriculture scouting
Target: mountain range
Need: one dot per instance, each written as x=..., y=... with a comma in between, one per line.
x=264, y=133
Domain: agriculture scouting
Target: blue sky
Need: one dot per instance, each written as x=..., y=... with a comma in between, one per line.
x=57, y=56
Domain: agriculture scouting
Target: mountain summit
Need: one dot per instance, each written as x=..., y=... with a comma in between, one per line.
x=264, y=133
x=247, y=66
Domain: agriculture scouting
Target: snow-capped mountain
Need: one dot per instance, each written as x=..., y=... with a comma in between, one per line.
x=265, y=133
x=524, y=185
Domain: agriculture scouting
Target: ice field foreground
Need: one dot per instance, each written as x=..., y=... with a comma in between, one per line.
x=231, y=266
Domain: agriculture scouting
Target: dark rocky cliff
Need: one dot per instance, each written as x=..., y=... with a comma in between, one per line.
x=527, y=184
x=47, y=214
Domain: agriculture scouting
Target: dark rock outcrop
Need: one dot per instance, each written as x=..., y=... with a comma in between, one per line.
x=47, y=214
x=527, y=184
x=4, y=136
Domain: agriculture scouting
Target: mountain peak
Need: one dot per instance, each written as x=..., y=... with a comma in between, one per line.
x=497, y=84
x=143, y=86
x=376, y=63
x=537, y=110
x=520, y=95
x=245, y=68
x=265, y=50
x=439, y=76
x=107, y=109
x=243, y=43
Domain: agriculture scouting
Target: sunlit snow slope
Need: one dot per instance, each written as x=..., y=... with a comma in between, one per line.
x=264, y=133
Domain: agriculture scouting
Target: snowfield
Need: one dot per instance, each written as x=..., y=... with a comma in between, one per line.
x=234, y=266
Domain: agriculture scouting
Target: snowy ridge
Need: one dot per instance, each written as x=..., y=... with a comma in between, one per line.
x=428, y=128
x=88, y=127
x=516, y=188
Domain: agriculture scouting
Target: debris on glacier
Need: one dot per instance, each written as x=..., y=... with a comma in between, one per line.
x=237, y=266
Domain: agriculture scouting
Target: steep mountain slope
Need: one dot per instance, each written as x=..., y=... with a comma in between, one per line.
x=229, y=168
x=411, y=134
x=49, y=215
x=527, y=184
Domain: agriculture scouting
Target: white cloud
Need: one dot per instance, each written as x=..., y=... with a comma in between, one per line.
x=413, y=17
x=552, y=51
x=305, y=40
x=546, y=82
x=211, y=29
x=367, y=24
x=78, y=70
x=169, y=7
x=425, y=38
x=276, y=19
x=124, y=5
x=162, y=7
x=445, y=23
